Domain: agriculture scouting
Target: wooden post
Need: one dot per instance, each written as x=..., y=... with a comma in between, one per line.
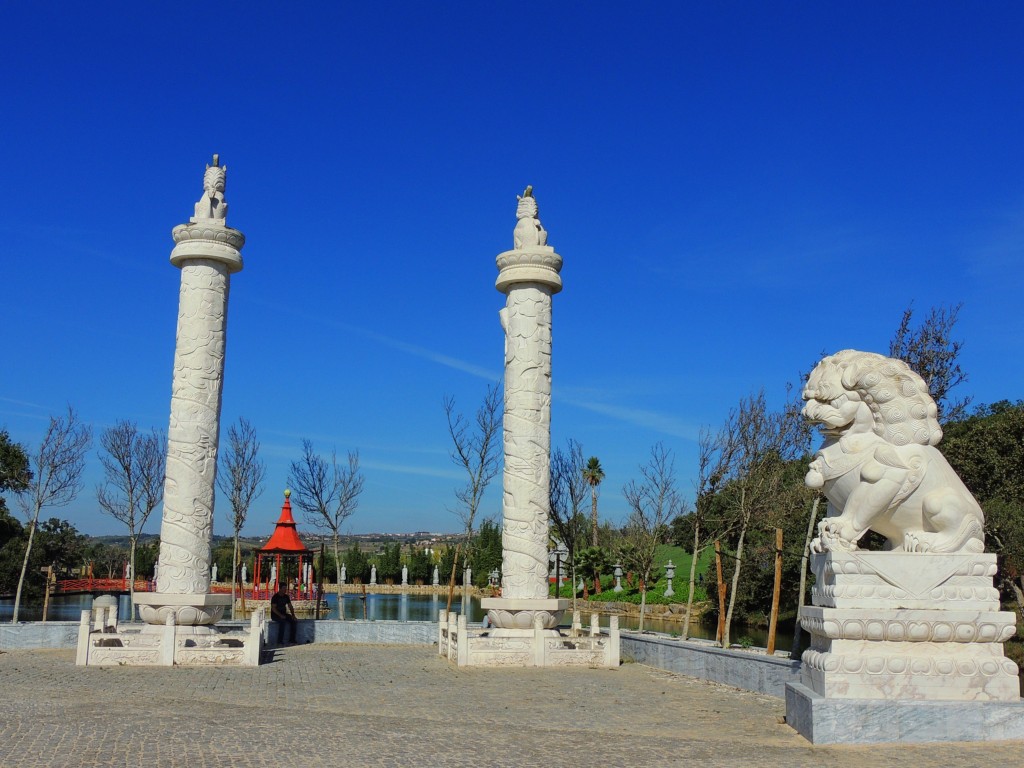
x=236, y=555
x=242, y=591
x=451, y=581
x=320, y=589
x=48, y=570
x=721, y=593
x=774, y=622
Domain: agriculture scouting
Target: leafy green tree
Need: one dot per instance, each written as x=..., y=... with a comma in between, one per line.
x=486, y=552
x=357, y=565
x=447, y=562
x=10, y=527
x=146, y=556
x=389, y=564
x=15, y=474
x=12, y=548
x=593, y=562
x=222, y=555
x=787, y=509
x=61, y=545
x=420, y=566
x=102, y=560
x=57, y=543
x=753, y=483
x=327, y=567
x=609, y=536
x=987, y=451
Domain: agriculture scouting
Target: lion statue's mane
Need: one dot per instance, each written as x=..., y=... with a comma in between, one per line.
x=878, y=466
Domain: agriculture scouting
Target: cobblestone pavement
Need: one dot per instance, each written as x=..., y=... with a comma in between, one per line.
x=352, y=705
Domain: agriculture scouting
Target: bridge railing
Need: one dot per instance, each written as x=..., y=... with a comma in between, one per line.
x=65, y=586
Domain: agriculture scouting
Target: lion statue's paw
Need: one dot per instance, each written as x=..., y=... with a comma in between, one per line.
x=834, y=535
x=918, y=541
x=967, y=539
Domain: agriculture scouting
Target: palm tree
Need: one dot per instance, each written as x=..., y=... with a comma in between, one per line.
x=593, y=474
x=593, y=561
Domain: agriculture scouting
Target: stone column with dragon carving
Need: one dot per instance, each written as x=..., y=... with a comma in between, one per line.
x=207, y=252
x=528, y=275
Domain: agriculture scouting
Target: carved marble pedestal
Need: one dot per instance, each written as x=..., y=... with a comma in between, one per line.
x=905, y=647
x=536, y=647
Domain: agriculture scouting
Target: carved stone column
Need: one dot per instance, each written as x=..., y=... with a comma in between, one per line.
x=528, y=275
x=207, y=252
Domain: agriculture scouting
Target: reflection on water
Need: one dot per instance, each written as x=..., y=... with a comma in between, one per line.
x=378, y=607
x=401, y=607
x=61, y=608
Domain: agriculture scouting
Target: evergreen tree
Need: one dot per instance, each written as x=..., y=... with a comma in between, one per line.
x=357, y=566
x=486, y=552
x=420, y=567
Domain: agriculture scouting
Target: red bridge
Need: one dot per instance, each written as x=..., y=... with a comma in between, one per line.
x=97, y=586
x=106, y=586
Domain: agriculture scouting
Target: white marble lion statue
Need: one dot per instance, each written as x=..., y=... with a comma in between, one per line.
x=212, y=205
x=529, y=232
x=878, y=466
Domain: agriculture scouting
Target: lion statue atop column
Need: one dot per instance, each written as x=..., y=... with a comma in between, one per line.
x=878, y=465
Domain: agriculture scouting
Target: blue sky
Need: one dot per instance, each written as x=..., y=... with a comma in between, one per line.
x=734, y=188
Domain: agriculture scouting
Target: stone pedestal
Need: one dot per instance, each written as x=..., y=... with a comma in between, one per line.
x=537, y=647
x=898, y=639
x=511, y=615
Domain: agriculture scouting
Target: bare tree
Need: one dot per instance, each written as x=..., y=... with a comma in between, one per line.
x=566, y=493
x=762, y=440
x=653, y=502
x=715, y=455
x=475, y=450
x=241, y=480
x=133, y=467
x=327, y=492
x=112, y=559
x=804, y=558
x=56, y=477
x=932, y=352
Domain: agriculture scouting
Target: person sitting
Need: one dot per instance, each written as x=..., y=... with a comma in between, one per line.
x=281, y=612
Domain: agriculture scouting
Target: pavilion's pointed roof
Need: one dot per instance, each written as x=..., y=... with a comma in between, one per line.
x=286, y=537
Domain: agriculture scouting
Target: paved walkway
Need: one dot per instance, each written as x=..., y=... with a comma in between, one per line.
x=353, y=705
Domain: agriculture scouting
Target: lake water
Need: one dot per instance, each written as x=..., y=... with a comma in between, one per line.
x=62, y=608
x=398, y=607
